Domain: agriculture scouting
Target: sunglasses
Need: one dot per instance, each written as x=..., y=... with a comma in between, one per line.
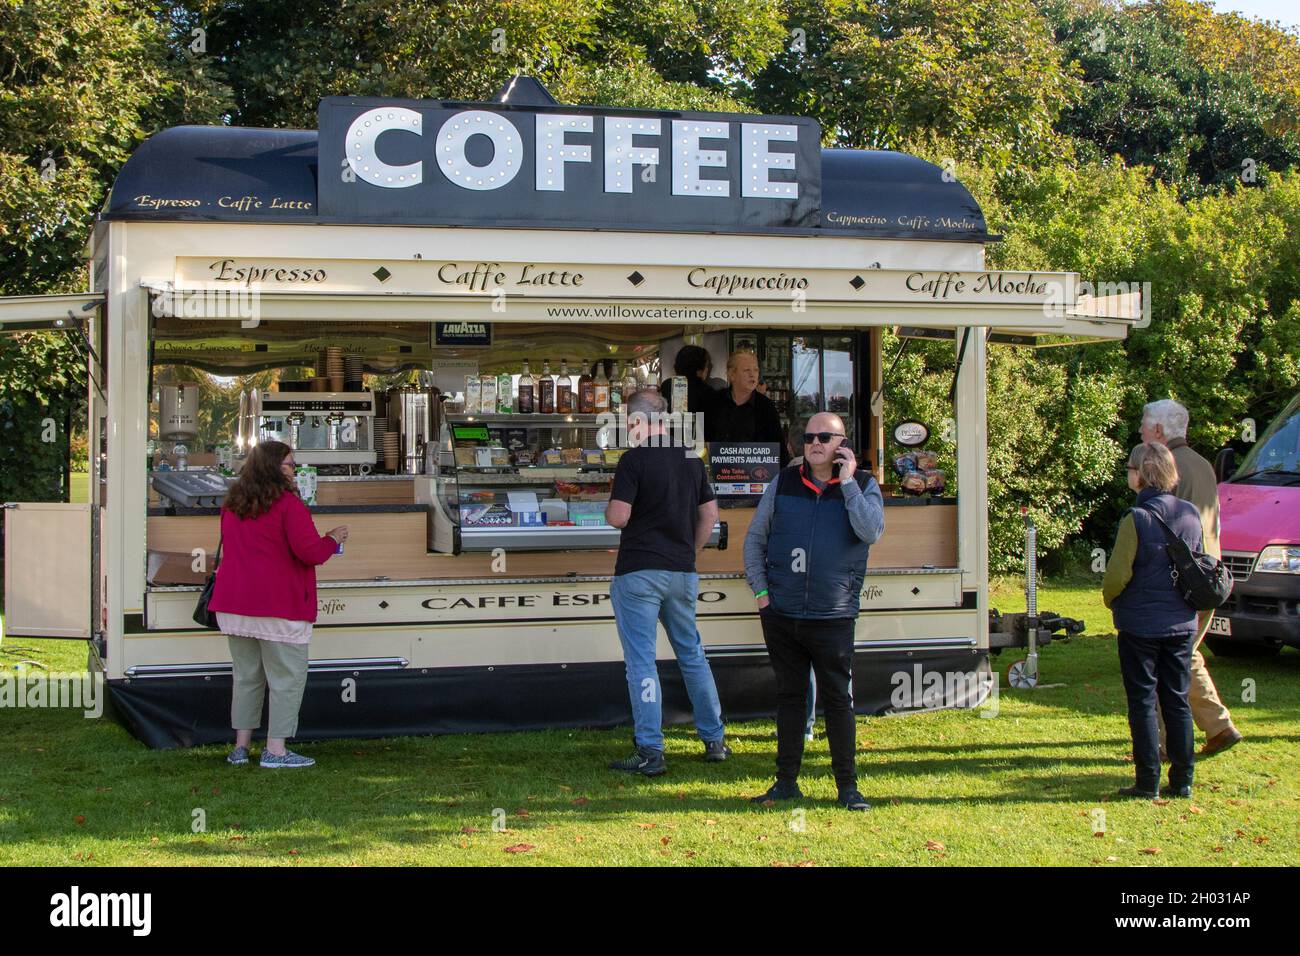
x=823, y=437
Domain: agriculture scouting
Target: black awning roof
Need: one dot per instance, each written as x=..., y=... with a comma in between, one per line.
x=239, y=174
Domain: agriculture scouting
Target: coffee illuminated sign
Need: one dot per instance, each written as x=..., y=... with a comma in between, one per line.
x=430, y=161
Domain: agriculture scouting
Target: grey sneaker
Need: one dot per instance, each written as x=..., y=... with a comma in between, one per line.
x=716, y=751
x=238, y=756
x=287, y=759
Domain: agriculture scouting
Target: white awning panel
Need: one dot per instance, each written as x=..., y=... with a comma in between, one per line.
x=20, y=313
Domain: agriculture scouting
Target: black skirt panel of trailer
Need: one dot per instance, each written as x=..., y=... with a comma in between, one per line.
x=192, y=711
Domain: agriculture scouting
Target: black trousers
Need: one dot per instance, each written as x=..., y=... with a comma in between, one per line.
x=1159, y=667
x=793, y=645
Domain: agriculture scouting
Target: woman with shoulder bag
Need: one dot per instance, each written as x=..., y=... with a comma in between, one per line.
x=264, y=598
x=1157, y=626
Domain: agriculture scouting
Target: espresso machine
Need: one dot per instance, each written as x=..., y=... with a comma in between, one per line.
x=322, y=428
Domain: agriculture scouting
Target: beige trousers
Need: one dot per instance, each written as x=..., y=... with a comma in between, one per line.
x=1208, y=711
x=261, y=664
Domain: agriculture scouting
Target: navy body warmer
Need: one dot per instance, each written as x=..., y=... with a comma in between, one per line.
x=815, y=563
x=1150, y=605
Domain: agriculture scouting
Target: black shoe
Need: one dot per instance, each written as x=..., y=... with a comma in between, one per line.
x=852, y=800
x=645, y=760
x=716, y=751
x=1137, y=793
x=779, y=791
x=1182, y=793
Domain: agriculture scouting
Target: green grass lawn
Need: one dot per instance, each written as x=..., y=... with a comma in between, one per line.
x=1027, y=787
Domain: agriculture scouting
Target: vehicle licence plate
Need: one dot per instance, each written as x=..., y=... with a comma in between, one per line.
x=1220, y=625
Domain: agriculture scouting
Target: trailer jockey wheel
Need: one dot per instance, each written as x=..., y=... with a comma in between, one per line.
x=1021, y=677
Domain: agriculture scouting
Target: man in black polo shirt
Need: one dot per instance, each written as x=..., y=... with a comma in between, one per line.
x=741, y=412
x=664, y=503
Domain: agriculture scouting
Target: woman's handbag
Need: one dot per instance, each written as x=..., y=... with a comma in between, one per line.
x=1202, y=579
x=202, y=616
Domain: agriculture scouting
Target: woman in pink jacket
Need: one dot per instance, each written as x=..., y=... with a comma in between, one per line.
x=265, y=598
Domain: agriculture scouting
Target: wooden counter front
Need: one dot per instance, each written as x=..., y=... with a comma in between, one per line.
x=393, y=545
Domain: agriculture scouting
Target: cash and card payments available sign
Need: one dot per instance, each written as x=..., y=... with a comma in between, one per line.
x=742, y=468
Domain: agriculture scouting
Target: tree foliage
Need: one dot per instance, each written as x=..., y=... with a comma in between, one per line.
x=1150, y=143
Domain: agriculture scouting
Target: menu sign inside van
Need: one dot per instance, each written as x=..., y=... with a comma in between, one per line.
x=428, y=161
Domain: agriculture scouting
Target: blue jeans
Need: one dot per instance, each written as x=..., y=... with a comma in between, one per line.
x=641, y=599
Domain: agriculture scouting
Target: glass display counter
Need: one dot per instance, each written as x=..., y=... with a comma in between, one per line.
x=527, y=483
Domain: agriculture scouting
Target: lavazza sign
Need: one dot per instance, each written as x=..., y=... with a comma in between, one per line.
x=421, y=160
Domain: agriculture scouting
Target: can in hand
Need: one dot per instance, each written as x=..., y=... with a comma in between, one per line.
x=338, y=546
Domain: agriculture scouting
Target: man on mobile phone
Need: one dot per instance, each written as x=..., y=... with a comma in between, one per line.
x=805, y=559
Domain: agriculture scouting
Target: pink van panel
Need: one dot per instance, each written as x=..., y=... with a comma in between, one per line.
x=1251, y=517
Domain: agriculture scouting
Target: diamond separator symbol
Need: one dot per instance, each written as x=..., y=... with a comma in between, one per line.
x=382, y=274
x=636, y=278
x=857, y=282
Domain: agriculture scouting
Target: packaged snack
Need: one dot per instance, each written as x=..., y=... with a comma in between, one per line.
x=905, y=463
x=935, y=480
x=914, y=483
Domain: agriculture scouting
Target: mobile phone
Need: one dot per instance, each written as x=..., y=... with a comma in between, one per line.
x=838, y=458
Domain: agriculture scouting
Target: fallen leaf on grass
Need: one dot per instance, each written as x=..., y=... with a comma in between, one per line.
x=647, y=826
x=1195, y=810
x=470, y=830
x=680, y=794
x=1112, y=859
x=762, y=838
x=1261, y=839
x=153, y=840
x=216, y=791
x=664, y=840
x=1151, y=850
x=464, y=844
x=1099, y=833
x=293, y=853
x=79, y=820
x=579, y=801
x=1216, y=849
x=1235, y=803
x=935, y=845
x=238, y=836
x=521, y=812
x=710, y=823
x=520, y=848
x=1161, y=801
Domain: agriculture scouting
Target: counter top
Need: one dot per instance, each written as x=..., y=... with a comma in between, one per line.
x=917, y=500
x=315, y=509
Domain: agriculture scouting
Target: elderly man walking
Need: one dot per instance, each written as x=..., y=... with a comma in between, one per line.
x=1166, y=422
x=805, y=559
